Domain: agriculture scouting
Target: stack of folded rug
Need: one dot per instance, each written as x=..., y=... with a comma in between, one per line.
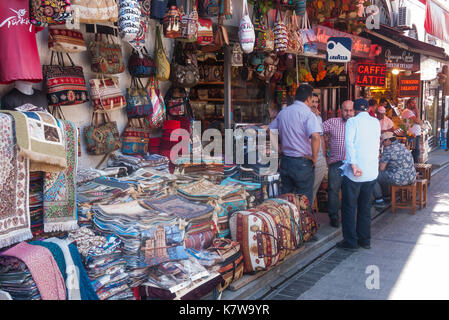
x=16, y=279
x=36, y=203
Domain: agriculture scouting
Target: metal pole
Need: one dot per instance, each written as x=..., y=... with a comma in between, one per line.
x=227, y=87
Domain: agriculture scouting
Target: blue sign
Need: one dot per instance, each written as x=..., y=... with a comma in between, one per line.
x=339, y=49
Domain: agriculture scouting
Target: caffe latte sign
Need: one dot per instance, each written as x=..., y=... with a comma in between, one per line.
x=397, y=58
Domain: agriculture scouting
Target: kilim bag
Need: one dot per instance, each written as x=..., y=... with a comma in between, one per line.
x=246, y=30
x=156, y=119
x=221, y=38
x=106, y=55
x=175, y=101
x=96, y=11
x=65, y=40
x=259, y=28
x=65, y=84
x=172, y=23
x=102, y=138
x=141, y=65
x=44, y=12
x=266, y=233
x=294, y=44
x=106, y=94
x=189, y=23
x=158, y=9
x=308, y=221
x=135, y=137
x=205, y=32
x=129, y=14
x=280, y=33
x=138, y=103
x=160, y=59
x=231, y=268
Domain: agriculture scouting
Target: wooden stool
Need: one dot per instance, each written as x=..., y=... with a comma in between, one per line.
x=421, y=190
x=407, y=197
x=425, y=171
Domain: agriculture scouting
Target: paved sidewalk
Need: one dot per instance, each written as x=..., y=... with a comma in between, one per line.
x=409, y=251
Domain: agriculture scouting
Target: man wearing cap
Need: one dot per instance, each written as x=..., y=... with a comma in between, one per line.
x=386, y=124
x=299, y=132
x=411, y=114
x=360, y=170
x=396, y=167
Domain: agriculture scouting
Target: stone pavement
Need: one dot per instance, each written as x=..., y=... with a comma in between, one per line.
x=408, y=259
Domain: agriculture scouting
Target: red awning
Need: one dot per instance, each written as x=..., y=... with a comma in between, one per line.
x=437, y=21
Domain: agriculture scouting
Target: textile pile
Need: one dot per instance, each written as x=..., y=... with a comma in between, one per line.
x=16, y=279
x=209, y=168
x=134, y=163
x=37, y=203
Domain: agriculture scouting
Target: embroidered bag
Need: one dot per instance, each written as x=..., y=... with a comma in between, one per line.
x=135, y=137
x=65, y=40
x=246, y=30
x=138, y=103
x=106, y=56
x=44, y=12
x=141, y=65
x=205, y=32
x=106, y=94
x=158, y=9
x=156, y=119
x=65, y=84
x=237, y=55
x=129, y=15
x=189, y=23
x=221, y=38
x=96, y=11
x=208, y=8
x=269, y=42
x=294, y=44
x=172, y=23
x=259, y=28
x=161, y=61
x=102, y=138
x=280, y=33
x=176, y=99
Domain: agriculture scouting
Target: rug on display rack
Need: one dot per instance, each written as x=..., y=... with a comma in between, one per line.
x=15, y=225
x=39, y=139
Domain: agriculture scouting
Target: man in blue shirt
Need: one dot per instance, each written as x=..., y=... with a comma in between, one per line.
x=360, y=169
x=299, y=131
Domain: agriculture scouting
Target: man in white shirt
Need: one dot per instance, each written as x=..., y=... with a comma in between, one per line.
x=360, y=170
x=411, y=114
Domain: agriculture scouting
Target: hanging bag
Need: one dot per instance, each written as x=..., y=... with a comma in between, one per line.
x=280, y=32
x=189, y=23
x=184, y=75
x=259, y=28
x=65, y=84
x=156, y=119
x=135, y=137
x=106, y=55
x=158, y=9
x=308, y=36
x=246, y=30
x=65, y=40
x=141, y=65
x=106, y=94
x=44, y=12
x=97, y=11
x=269, y=42
x=205, y=32
x=176, y=100
x=172, y=23
x=129, y=14
x=102, y=138
x=138, y=103
x=208, y=8
x=161, y=61
x=294, y=44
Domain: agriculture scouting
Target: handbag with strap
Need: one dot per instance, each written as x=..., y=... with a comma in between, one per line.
x=294, y=44
x=156, y=119
x=102, y=138
x=221, y=38
x=107, y=57
x=141, y=65
x=65, y=40
x=184, y=75
x=138, y=102
x=96, y=11
x=259, y=28
x=160, y=59
x=172, y=23
x=205, y=32
x=308, y=36
x=65, y=84
x=280, y=33
x=129, y=15
x=269, y=43
x=106, y=94
x=176, y=99
x=189, y=23
x=135, y=137
x=246, y=30
x=44, y=12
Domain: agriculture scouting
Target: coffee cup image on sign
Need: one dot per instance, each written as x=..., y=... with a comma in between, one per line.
x=337, y=51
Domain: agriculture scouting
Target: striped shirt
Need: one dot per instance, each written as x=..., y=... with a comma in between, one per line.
x=335, y=128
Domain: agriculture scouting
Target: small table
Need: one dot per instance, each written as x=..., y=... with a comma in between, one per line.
x=424, y=170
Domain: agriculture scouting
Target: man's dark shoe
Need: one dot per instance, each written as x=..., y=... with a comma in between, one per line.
x=344, y=245
x=334, y=223
x=380, y=204
x=365, y=246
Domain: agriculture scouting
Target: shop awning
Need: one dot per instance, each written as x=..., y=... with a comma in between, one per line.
x=437, y=21
x=397, y=38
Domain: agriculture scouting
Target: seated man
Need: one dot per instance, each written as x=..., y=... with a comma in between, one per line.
x=385, y=123
x=396, y=167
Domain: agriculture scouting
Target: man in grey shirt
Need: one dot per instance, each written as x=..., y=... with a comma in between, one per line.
x=299, y=131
